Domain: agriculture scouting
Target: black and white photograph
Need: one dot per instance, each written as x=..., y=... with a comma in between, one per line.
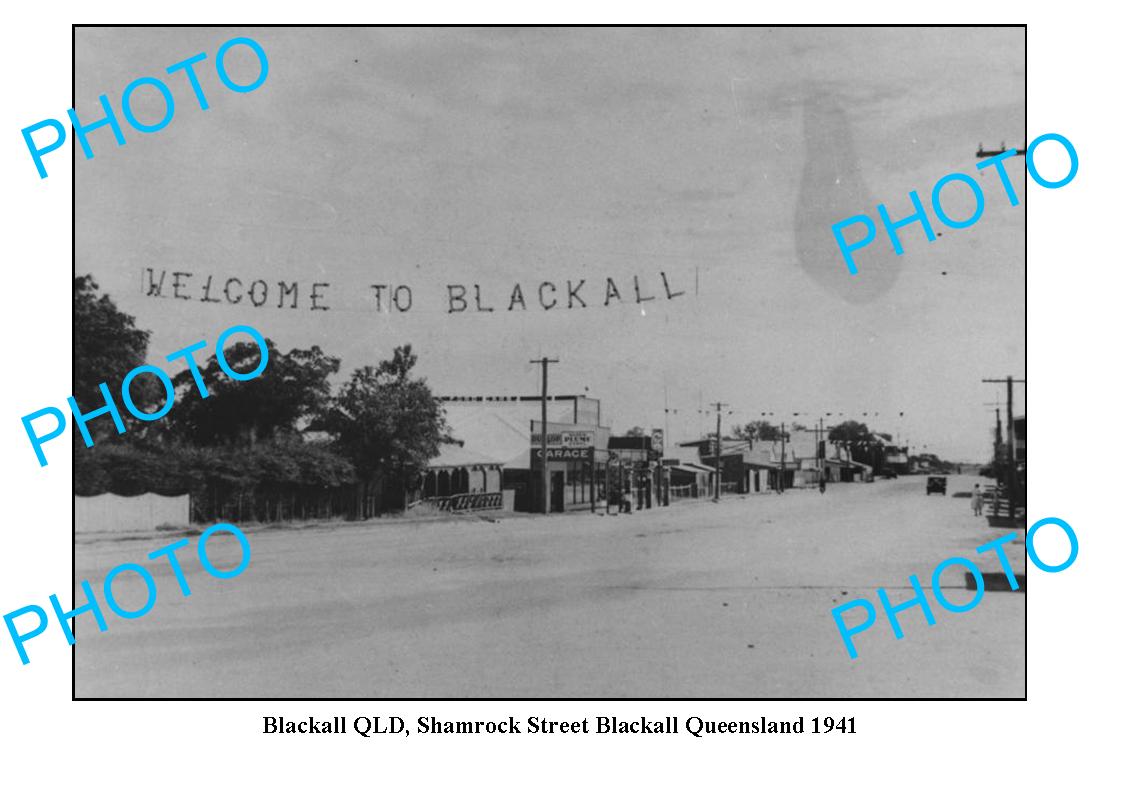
x=548, y=362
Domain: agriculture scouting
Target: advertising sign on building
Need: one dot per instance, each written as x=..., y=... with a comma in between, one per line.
x=564, y=439
x=657, y=440
x=561, y=455
x=478, y=501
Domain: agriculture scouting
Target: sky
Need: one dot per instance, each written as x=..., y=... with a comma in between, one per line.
x=705, y=163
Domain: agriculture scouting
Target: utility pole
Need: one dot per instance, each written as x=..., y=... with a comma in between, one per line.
x=820, y=450
x=997, y=430
x=545, y=362
x=717, y=481
x=783, y=456
x=608, y=487
x=1012, y=464
x=1012, y=473
x=593, y=478
x=664, y=473
x=666, y=418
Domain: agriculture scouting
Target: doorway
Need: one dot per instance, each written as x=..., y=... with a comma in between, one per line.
x=557, y=491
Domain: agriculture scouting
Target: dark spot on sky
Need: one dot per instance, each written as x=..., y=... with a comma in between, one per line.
x=833, y=188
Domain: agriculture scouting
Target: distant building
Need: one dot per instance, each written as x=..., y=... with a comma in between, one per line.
x=896, y=459
x=1020, y=459
x=688, y=476
x=762, y=465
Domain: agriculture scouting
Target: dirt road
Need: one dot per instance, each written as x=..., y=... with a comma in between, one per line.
x=697, y=600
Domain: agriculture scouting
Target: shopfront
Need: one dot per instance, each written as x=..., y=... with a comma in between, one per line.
x=643, y=481
x=575, y=461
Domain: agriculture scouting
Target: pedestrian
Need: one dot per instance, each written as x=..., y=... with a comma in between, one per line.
x=977, y=501
x=822, y=484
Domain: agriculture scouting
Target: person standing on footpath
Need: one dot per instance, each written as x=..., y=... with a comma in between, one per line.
x=977, y=501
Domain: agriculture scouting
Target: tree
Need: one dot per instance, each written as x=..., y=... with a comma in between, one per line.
x=757, y=431
x=388, y=424
x=272, y=481
x=635, y=431
x=851, y=432
x=865, y=446
x=107, y=345
x=291, y=390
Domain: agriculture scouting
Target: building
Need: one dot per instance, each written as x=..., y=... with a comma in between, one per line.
x=687, y=476
x=747, y=467
x=1020, y=465
x=750, y=467
x=459, y=471
x=896, y=459
x=636, y=470
x=576, y=463
x=500, y=450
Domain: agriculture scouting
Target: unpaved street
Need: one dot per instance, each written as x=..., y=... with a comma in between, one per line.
x=698, y=600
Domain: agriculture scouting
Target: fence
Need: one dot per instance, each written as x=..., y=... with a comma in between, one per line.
x=474, y=501
x=998, y=514
x=140, y=513
x=219, y=502
x=468, y=502
x=688, y=492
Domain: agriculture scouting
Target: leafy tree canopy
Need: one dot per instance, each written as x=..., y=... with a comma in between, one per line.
x=851, y=432
x=107, y=344
x=757, y=430
x=292, y=389
x=385, y=421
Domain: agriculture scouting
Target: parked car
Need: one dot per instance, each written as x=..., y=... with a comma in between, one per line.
x=888, y=474
x=937, y=483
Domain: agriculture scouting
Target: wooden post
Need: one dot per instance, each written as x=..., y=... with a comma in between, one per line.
x=545, y=362
x=783, y=457
x=593, y=478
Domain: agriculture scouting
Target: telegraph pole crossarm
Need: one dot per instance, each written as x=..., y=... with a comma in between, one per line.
x=988, y=153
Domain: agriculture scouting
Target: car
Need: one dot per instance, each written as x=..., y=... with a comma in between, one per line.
x=937, y=483
x=889, y=474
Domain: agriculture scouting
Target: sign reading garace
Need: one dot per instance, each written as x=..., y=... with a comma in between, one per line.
x=561, y=455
